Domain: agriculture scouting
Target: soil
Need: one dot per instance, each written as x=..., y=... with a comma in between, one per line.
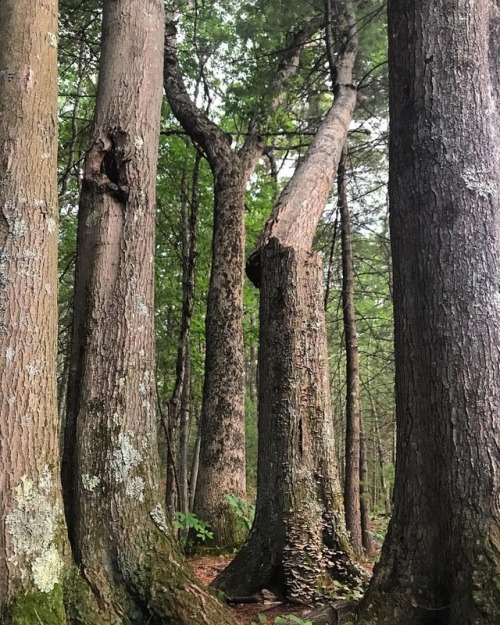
x=208, y=567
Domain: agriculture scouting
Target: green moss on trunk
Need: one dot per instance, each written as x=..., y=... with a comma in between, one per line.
x=38, y=607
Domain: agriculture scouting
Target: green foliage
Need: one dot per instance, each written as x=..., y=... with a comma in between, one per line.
x=381, y=523
x=187, y=521
x=291, y=617
x=244, y=511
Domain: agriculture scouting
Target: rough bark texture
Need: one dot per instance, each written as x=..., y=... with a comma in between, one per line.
x=298, y=540
x=297, y=212
x=222, y=452
x=31, y=513
x=441, y=560
x=119, y=534
x=352, y=502
x=297, y=537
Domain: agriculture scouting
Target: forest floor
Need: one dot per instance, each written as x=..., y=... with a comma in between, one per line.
x=208, y=567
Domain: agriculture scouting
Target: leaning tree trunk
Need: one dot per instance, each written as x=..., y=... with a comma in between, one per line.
x=441, y=559
x=119, y=534
x=298, y=535
x=31, y=514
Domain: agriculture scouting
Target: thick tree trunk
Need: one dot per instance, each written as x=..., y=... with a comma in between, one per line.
x=441, y=559
x=298, y=537
x=120, y=537
x=352, y=502
x=31, y=513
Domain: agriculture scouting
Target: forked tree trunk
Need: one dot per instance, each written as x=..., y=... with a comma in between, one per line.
x=119, y=534
x=441, y=559
x=31, y=512
x=298, y=536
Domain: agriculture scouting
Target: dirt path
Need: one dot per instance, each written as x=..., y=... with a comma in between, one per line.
x=207, y=568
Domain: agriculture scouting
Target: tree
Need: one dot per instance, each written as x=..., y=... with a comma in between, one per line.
x=222, y=457
x=119, y=534
x=441, y=559
x=352, y=501
x=298, y=536
x=31, y=516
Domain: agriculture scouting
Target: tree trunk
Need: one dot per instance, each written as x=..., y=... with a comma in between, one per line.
x=364, y=492
x=178, y=405
x=352, y=502
x=119, y=533
x=441, y=560
x=31, y=513
x=298, y=537
x=185, y=421
x=222, y=452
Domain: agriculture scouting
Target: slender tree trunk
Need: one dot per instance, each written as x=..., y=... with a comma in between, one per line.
x=352, y=502
x=195, y=466
x=441, y=559
x=119, y=533
x=381, y=464
x=31, y=513
x=185, y=420
x=364, y=493
x=177, y=408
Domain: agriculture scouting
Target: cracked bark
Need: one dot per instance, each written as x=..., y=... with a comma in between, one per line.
x=298, y=537
x=222, y=455
x=33, y=533
x=120, y=537
x=441, y=559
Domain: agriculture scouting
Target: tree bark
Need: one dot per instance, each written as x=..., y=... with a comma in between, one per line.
x=120, y=537
x=352, y=501
x=298, y=536
x=364, y=493
x=441, y=559
x=222, y=421
x=31, y=512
